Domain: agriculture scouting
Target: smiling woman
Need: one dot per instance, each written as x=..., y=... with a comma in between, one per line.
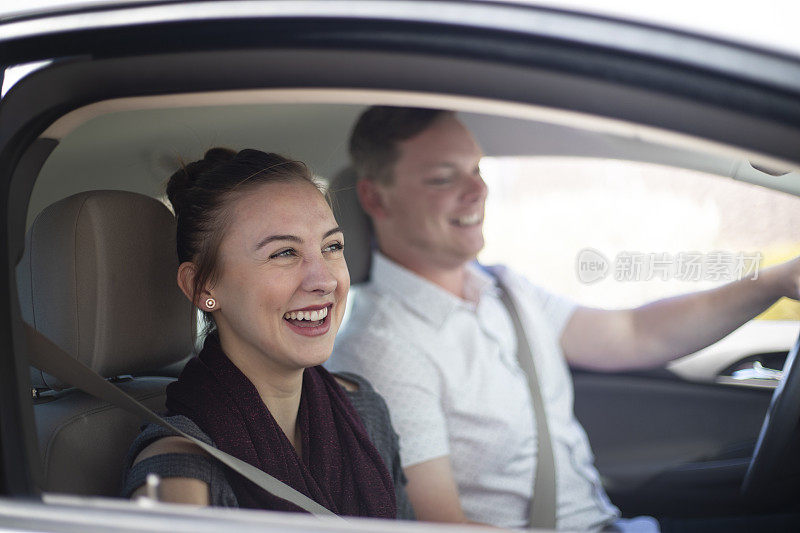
x=262, y=256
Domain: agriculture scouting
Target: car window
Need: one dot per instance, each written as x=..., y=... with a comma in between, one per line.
x=573, y=225
x=612, y=233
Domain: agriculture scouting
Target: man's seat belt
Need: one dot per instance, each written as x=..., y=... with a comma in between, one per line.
x=47, y=356
x=543, y=504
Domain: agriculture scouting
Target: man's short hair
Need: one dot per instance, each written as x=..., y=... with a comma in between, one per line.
x=373, y=142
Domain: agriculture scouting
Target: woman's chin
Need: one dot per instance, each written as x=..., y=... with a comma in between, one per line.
x=313, y=356
x=316, y=361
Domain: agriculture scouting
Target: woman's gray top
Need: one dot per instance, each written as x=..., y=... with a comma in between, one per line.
x=368, y=403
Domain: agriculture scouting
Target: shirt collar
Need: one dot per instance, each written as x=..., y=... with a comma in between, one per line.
x=479, y=282
x=422, y=297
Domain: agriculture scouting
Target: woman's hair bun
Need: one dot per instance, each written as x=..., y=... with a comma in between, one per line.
x=218, y=154
x=187, y=176
x=213, y=157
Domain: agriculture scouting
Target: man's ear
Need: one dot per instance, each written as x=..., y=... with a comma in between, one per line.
x=186, y=274
x=370, y=197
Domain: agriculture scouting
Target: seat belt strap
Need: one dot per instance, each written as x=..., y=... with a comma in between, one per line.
x=46, y=355
x=542, y=510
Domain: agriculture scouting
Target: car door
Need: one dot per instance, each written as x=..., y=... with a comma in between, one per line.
x=528, y=59
x=665, y=445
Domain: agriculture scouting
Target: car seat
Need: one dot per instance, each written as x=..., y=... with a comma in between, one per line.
x=355, y=224
x=98, y=278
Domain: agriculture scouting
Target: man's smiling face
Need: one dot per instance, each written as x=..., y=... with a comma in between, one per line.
x=434, y=206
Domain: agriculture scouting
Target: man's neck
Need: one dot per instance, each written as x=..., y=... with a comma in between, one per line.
x=452, y=279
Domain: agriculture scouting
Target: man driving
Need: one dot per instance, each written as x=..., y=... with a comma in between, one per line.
x=431, y=333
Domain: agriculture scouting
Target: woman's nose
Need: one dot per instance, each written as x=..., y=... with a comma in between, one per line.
x=318, y=276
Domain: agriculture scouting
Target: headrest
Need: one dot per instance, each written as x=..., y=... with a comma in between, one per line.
x=98, y=278
x=355, y=224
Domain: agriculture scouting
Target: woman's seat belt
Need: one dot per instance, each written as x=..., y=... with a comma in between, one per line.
x=47, y=356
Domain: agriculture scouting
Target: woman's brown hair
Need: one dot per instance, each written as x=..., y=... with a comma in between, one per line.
x=201, y=194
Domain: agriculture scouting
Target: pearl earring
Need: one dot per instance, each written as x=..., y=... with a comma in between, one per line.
x=211, y=303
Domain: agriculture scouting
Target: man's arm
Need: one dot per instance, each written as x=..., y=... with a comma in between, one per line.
x=655, y=333
x=433, y=492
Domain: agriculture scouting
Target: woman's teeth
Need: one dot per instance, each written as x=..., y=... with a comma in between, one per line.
x=307, y=315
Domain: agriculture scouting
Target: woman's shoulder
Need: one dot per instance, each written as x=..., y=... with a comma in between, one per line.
x=158, y=450
x=153, y=432
x=352, y=383
x=369, y=404
x=372, y=409
x=374, y=414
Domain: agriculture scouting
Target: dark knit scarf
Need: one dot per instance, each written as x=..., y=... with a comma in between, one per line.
x=340, y=469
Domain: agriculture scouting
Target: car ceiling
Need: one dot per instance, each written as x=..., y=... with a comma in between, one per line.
x=137, y=150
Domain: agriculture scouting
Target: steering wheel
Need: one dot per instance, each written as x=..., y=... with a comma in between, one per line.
x=777, y=430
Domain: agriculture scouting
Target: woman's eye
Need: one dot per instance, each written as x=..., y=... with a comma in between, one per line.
x=283, y=253
x=334, y=247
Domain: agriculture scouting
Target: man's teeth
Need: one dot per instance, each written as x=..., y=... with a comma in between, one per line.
x=469, y=220
x=307, y=315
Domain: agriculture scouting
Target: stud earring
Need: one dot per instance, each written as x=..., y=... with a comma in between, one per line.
x=211, y=303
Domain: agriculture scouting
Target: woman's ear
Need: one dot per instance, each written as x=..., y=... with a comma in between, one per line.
x=186, y=273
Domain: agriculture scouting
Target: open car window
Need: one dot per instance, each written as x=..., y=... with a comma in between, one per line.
x=613, y=233
x=640, y=226
x=601, y=155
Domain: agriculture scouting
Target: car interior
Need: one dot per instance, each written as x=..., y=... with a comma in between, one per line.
x=88, y=142
x=98, y=278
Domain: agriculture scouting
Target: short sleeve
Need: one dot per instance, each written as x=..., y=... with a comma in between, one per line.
x=187, y=465
x=556, y=309
x=170, y=465
x=409, y=383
